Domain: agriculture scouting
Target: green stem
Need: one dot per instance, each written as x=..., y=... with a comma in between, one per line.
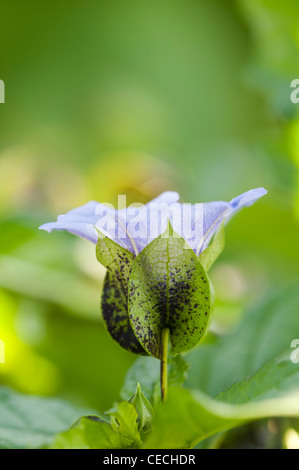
x=164, y=352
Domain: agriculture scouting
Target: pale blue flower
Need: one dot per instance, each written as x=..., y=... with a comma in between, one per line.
x=134, y=227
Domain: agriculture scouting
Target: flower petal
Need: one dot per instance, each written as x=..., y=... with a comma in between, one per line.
x=129, y=227
x=86, y=231
x=134, y=228
x=204, y=219
x=79, y=221
x=248, y=198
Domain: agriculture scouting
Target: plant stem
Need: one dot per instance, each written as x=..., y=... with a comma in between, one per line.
x=164, y=352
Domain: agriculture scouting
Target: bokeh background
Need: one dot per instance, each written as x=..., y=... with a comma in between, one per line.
x=128, y=97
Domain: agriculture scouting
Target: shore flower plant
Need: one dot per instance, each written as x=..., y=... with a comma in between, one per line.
x=156, y=294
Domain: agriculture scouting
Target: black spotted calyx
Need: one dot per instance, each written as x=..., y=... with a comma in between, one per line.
x=119, y=262
x=165, y=286
x=168, y=288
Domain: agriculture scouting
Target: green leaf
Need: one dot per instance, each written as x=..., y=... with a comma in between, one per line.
x=146, y=370
x=144, y=409
x=208, y=257
x=178, y=369
x=264, y=388
x=118, y=262
x=124, y=422
x=93, y=432
x=30, y=422
x=190, y=417
x=168, y=288
x=274, y=379
x=88, y=432
x=264, y=333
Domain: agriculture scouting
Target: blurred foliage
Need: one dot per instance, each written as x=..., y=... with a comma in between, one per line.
x=30, y=421
x=126, y=97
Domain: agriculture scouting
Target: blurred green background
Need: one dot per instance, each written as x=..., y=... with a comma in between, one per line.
x=128, y=97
